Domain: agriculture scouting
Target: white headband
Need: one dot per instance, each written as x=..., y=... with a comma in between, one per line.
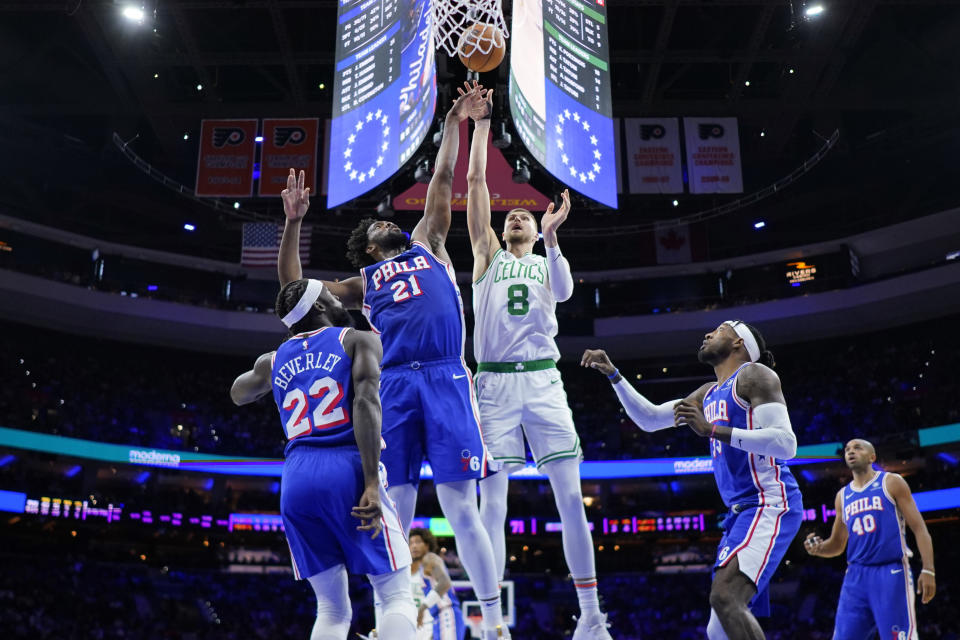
x=753, y=349
x=314, y=289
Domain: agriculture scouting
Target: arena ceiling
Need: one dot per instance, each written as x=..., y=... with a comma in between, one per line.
x=882, y=72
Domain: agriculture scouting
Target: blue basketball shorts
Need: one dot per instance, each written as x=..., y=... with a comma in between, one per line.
x=448, y=622
x=430, y=411
x=877, y=598
x=319, y=487
x=758, y=537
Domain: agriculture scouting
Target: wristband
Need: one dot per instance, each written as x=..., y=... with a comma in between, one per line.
x=616, y=372
x=432, y=599
x=929, y=573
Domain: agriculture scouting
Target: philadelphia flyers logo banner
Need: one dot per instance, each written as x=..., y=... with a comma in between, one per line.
x=653, y=155
x=713, y=155
x=288, y=142
x=225, y=158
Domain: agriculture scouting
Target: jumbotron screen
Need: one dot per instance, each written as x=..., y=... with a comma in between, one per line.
x=560, y=92
x=385, y=93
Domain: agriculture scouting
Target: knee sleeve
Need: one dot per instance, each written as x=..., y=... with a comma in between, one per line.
x=333, y=604
x=392, y=592
x=714, y=628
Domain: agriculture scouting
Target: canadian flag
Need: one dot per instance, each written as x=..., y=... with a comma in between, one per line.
x=673, y=244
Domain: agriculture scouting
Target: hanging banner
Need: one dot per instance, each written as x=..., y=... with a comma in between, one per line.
x=288, y=142
x=505, y=194
x=225, y=159
x=653, y=155
x=673, y=244
x=713, y=155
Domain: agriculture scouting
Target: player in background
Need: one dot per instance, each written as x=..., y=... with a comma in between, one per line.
x=438, y=610
x=515, y=295
x=325, y=378
x=745, y=417
x=877, y=593
x=410, y=296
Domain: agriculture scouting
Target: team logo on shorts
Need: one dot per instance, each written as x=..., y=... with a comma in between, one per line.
x=469, y=462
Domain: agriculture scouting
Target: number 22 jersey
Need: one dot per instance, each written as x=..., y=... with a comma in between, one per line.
x=313, y=388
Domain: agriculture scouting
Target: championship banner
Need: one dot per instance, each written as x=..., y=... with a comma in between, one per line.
x=288, y=142
x=225, y=159
x=713, y=155
x=653, y=155
x=505, y=194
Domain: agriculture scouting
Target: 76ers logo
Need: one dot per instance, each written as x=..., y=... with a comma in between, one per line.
x=469, y=462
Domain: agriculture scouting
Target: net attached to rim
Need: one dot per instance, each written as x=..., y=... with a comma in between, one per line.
x=451, y=18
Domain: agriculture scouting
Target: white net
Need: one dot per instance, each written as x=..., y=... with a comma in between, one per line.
x=453, y=22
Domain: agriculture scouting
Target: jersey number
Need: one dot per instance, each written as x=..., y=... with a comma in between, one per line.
x=867, y=526
x=517, y=299
x=400, y=292
x=325, y=415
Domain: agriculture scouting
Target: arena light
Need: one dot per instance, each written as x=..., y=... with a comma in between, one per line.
x=676, y=203
x=814, y=11
x=759, y=224
x=188, y=226
x=236, y=205
x=258, y=139
x=133, y=14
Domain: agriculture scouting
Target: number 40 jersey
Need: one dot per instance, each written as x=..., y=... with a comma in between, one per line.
x=515, y=311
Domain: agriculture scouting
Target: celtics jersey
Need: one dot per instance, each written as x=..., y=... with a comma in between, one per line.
x=514, y=310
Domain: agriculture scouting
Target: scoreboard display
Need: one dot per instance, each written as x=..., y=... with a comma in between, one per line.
x=384, y=92
x=560, y=92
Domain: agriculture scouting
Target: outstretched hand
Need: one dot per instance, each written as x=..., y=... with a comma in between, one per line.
x=368, y=512
x=485, y=108
x=296, y=197
x=552, y=220
x=599, y=360
x=686, y=413
x=470, y=102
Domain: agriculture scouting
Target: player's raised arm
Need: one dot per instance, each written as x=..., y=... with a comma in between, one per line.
x=645, y=414
x=483, y=239
x=900, y=491
x=433, y=227
x=254, y=384
x=365, y=352
x=772, y=434
x=837, y=542
x=296, y=201
x=433, y=566
x=558, y=269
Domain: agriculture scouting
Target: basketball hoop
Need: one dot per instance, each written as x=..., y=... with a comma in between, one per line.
x=451, y=18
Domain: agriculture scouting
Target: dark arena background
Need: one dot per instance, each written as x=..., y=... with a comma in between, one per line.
x=790, y=164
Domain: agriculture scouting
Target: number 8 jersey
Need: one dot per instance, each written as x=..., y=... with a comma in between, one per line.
x=313, y=388
x=874, y=523
x=515, y=311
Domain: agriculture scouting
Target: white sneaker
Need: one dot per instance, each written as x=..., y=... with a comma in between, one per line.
x=592, y=628
x=501, y=632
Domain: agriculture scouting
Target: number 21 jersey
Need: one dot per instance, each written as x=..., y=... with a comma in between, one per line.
x=515, y=311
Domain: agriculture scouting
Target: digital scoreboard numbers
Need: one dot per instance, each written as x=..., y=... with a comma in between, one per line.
x=560, y=92
x=384, y=92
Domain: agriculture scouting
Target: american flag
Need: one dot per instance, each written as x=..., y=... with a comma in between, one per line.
x=261, y=244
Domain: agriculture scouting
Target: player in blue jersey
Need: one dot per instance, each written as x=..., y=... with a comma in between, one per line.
x=745, y=417
x=439, y=616
x=324, y=379
x=408, y=291
x=877, y=593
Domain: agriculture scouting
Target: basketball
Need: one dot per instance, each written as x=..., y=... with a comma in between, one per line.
x=482, y=47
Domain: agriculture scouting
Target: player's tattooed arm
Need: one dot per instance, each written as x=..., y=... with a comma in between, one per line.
x=483, y=239
x=837, y=542
x=366, y=352
x=433, y=227
x=254, y=384
x=434, y=567
x=900, y=491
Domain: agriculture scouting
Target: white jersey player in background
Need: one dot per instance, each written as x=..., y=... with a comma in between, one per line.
x=515, y=295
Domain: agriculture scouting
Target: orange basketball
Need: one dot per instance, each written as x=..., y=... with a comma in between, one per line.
x=478, y=38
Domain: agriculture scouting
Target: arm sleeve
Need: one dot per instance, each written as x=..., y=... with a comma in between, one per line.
x=558, y=269
x=772, y=435
x=646, y=415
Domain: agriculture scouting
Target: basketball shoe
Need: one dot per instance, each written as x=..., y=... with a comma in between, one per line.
x=592, y=628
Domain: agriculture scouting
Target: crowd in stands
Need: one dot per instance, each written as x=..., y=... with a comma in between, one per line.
x=75, y=597
x=876, y=385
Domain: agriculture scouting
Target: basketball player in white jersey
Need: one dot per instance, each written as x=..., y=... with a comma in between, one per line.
x=515, y=295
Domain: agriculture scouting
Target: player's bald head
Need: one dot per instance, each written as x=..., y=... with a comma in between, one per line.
x=866, y=444
x=859, y=454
